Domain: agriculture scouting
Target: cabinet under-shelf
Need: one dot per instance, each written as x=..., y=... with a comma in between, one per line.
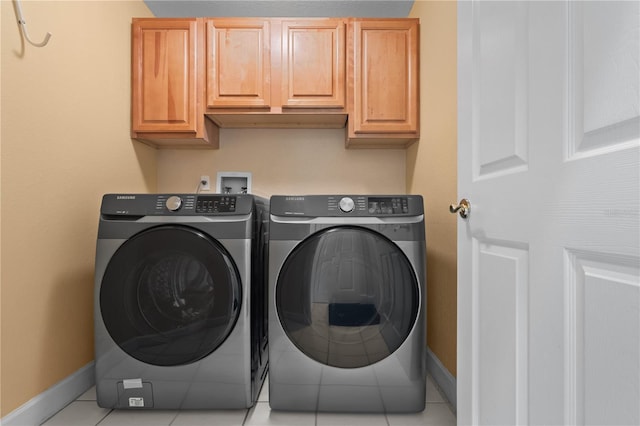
x=279, y=120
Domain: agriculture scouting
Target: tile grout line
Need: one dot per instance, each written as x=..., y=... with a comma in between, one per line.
x=248, y=410
x=105, y=416
x=174, y=417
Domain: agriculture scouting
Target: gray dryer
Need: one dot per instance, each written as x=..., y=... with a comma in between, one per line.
x=347, y=303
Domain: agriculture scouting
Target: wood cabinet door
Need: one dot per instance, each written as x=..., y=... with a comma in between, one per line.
x=313, y=63
x=385, y=77
x=164, y=75
x=238, y=63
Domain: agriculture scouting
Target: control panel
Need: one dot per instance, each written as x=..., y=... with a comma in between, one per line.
x=176, y=204
x=374, y=206
x=393, y=205
x=347, y=205
x=215, y=204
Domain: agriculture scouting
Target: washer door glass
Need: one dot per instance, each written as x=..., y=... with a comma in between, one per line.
x=347, y=297
x=170, y=295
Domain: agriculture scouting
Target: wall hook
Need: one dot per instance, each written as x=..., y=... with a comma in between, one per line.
x=23, y=26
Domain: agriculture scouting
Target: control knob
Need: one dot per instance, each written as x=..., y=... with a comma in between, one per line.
x=346, y=204
x=174, y=203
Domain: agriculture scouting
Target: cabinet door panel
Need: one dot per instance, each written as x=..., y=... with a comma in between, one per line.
x=238, y=63
x=164, y=75
x=385, y=77
x=313, y=63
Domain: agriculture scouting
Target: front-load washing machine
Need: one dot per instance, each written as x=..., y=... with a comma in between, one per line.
x=180, y=301
x=347, y=303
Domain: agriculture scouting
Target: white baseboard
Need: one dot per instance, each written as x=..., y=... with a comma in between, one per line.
x=39, y=408
x=443, y=378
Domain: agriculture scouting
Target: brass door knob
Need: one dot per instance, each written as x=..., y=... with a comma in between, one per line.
x=463, y=208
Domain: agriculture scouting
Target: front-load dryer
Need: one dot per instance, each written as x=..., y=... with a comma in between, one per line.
x=180, y=308
x=347, y=303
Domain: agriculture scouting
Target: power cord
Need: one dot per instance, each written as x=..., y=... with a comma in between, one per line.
x=200, y=185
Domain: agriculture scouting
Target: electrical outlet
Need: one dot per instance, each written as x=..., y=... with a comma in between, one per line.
x=206, y=186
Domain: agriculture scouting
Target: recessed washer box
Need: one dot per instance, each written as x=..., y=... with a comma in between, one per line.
x=233, y=183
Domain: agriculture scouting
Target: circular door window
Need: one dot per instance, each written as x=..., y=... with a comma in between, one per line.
x=170, y=295
x=347, y=297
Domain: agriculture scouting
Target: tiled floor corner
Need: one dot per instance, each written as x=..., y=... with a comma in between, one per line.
x=84, y=411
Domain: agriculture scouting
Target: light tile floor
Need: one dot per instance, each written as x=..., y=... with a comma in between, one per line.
x=85, y=412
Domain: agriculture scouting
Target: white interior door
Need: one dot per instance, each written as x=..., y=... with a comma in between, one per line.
x=549, y=256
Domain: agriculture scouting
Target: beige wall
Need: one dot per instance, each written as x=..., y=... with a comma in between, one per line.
x=287, y=162
x=65, y=141
x=431, y=169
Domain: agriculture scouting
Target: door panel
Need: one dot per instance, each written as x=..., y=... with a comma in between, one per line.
x=552, y=169
x=347, y=297
x=500, y=70
x=238, y=63
x=313, y=63
x=164, y=74
x=170, y=295
x=603, y=81
x=501, y=317
x=603, y=338
x=385, y=76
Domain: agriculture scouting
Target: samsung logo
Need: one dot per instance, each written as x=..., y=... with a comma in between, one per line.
x=294, y=198
x=125, y=197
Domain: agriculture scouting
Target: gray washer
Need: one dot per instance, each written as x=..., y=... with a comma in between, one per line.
x=347, y=281
x=179, y=301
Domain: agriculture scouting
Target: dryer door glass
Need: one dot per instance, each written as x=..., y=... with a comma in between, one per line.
x=170, y=295
x=347, y=297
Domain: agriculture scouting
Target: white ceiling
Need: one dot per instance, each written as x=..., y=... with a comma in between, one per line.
x=280, y=8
